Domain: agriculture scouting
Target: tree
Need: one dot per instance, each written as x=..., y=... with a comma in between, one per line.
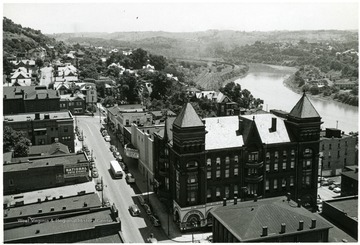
x=161, y=86
x=158, y=61
x=130, y=87
x=139, y=58
x=16, y=141
x=39, y=63
x=314, y=90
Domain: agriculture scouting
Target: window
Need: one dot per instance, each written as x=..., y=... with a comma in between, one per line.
x=253, y=156
x=236, y=170
x=291, y=180
x=209, y=174
x=267, y=167
x=177, y=176
x=227, y=173
x=267, y=185
x=191, y=164
x=191, y=197
x=339, y=145
x=236, y=159
x=66, y=129
x=217, y=191
x=218, y=173
x=292, y=153
x=346, y=143
x=227, y=160
x=283, y=183
x=236, y=190
x=227, y=192
x=276, y=155
x=275, y=184
x=218, y=161
x=292, y=166
x=329, y=155
x=276, y=166
x=307, y=164
x=208, y=193
x=338, y=155
x=267, y=156
x=284, y=154
x=323, y=147
x=344, y=161
x=192, y=179
x=329, y=146
x=284, y=165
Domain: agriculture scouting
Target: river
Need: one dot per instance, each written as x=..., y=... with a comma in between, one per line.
x=267, y=83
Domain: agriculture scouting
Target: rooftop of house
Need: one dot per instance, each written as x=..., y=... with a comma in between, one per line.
x=71, y=203
x=53, y=115
x=352, y=174
x=29, y=93
x=52, y=149
x=26, y=62
x=71, y=97
x=212, y=95
x=246, y=219
x=221, y=133
x=25, y=163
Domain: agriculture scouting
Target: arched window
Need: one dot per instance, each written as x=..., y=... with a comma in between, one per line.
x=218, y=161
x=191, y=164
x=208, y=163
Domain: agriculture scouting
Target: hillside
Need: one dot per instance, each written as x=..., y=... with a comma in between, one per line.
x=18, y=39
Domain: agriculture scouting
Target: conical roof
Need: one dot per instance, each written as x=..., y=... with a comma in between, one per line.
x=188, y=117
x=304, y=109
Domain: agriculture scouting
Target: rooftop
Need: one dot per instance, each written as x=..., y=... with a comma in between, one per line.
x=29, y=92
x=52, y=149
x=304, y=109
x=188, y=117
x=245, y=220
x=54, y=115
x=38, y=162
x=225, y=127
x=348, y=205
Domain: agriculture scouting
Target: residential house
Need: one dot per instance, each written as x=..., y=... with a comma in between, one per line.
x=75, y=103
x=20, y=77
x=350, y=181
x=225, y=107
x=67, y=73
x=48, y=150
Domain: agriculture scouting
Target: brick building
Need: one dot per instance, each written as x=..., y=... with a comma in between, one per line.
x=338, y=150
x=75, y=103
x=350, y=181
x=200, y=162
x=43, y=128
x=30, y=99
x=40, y=172
x=268, y=220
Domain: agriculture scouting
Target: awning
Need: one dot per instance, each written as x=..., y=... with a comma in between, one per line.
x=40, y=129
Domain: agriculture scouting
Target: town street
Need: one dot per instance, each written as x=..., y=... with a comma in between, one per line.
x=135, y=229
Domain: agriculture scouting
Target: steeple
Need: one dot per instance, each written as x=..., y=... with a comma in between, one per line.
x=304, y=109
x=188, y=118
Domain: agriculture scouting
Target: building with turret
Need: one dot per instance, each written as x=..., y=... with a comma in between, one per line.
x=202, y=161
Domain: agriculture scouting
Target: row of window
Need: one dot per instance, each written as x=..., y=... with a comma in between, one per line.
x=330, y=146
x=63, y=105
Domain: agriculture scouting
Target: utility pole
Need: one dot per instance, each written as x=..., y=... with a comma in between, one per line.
x=102, y=192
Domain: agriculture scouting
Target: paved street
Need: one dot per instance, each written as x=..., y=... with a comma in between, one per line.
x=135, y=229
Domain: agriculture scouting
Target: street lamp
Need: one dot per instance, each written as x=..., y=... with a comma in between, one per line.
x=194, y=225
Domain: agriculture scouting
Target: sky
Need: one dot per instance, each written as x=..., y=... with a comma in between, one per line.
x=185, y=16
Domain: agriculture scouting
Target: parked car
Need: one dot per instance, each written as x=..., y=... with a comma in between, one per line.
x=134, y=210
x=94, y=173
x=147, y=209
x=80, y=138
x=92, y=165
x=122, y=164
x=130, y=179
x=141, y=200
x=337, y=190
x=107, y=138
x=116, y=154
x=99, y=187
x=102, y=129
x=104, y=133
x=154, y=220
x=331, y=187
x=113, y=148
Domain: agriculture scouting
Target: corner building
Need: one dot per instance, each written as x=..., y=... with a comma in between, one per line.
x=246, y=157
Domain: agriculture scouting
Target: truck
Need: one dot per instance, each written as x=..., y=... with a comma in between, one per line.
x=116, y=170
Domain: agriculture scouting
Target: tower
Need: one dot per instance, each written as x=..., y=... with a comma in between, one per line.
x=303, y=124
x=188, y=158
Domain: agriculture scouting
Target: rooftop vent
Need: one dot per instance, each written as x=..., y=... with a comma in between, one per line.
x=313, y=223
x=224, y=201
x=264, y=231
x=283, y=228
x=301, y=225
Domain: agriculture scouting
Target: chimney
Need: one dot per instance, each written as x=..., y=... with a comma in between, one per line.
x=235, y=199
x=224, y=202
x=241, y=127
x=273, y=124
x=255, y=197
x=264, y=231
x=301, y=225
x=283, y=228
x=37, y=116
x=313, y=223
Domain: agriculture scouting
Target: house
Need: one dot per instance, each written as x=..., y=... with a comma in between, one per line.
x=277, y=219
x=75, y=103
x=20, y=78
x=225, y=107
x=89, y=90
x=350, y=181
x=45, y=150
x=337, y=150
x=64, y=87
x=37, y=53
x=67, y=73
x=345, y=84
x=206, y=160
x=30, y=99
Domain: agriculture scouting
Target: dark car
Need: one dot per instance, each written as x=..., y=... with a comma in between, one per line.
x=94, y=173
x=147, y=209
x=154, y=220
x=134, y=210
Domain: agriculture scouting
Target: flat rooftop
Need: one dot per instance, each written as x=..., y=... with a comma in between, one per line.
x=65, y=191
x=348, y=205
x=53, y=115
x=70, y=224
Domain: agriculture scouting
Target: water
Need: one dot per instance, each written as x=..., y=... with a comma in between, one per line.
x=266, y=82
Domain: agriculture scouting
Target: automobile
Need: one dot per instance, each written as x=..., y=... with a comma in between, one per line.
x=92, y=165
x=147, y=209
x=141, y=200
x=130, y=178
x=122, y=164
x=331, y=187
x=331, y=181
x=322, y=179
x=337, y=190
x=107, y=138
x=154, y=220
x=80, y=138
x=116, y=154
x=99, y=187
x=102, y=129
x=134, y=210
x=104, y=132
x=94, y=173
x=325, y=183
x=113, y=148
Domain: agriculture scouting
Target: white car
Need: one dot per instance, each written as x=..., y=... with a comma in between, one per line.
x=129, y=178
x=107, y=138
x=337, y=190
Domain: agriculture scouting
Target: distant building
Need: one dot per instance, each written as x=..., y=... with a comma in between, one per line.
x=343, y=212
x=55, y=148
x=338, y=150
x=65, y=220
x=350, y=181
x=225, y=107
x=30, y=99
x=44, y=128
x=67, y=73
x=268, y=220
x=75, y=103
x=206, y=160
x=64, y=87
x=37, y=53
x=21, y=77
x=89, y=90
x=22, y=174
x=345, y=84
